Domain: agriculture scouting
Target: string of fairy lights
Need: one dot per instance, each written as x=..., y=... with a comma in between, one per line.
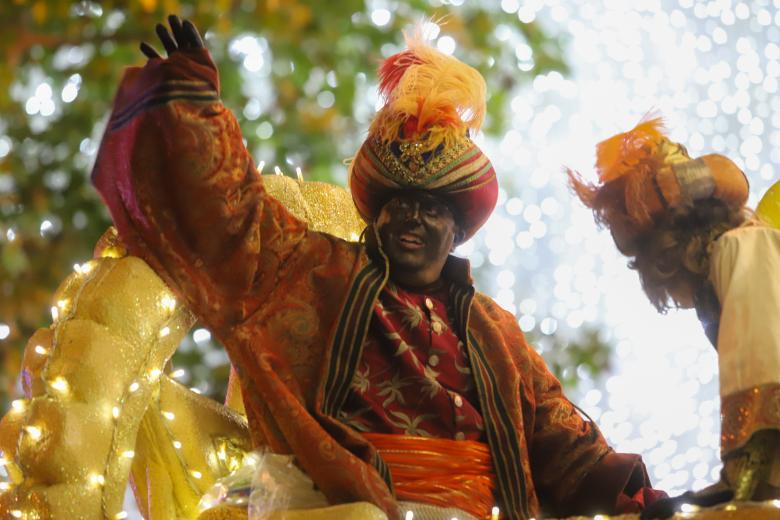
x=58, y=388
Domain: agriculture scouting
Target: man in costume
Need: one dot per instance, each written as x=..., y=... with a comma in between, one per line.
x=684, y=224
x=350, y=354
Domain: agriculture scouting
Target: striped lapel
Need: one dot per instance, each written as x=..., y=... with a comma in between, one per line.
x=502, y=437
x=347, y=346
x=350, y=334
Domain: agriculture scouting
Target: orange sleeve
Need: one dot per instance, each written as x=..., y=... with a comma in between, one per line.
x=575, y=470
x=184, y=193
x=568, y=451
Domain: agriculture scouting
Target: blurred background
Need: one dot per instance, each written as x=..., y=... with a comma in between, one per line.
x=300, y=76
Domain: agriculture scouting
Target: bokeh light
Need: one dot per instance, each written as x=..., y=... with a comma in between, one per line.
x=711, y=69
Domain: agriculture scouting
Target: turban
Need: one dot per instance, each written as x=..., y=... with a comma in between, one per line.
x=643, y=174
x=420, y=138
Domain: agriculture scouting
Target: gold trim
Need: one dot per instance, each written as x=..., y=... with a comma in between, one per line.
x=745, y=412
x=410, y=168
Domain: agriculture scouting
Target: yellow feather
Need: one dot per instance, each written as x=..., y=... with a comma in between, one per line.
x=438, y=97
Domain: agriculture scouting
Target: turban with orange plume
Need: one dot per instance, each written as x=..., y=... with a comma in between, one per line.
x=419, y=140
x=642, y=174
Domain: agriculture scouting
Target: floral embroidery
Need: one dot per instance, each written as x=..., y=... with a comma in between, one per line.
x=414, y=376
x=412, y=316
x=392, y=389
x=430, y=387
x=411, y=425
x=361, y=383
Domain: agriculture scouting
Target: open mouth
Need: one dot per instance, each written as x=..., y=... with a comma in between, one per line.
x=410, y=241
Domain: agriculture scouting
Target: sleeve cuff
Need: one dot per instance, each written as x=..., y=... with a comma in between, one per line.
x=615, y=474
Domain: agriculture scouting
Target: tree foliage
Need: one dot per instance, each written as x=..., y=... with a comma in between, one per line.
x=299, y=75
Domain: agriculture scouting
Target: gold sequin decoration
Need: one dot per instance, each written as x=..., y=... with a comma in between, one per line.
x=327, y=208
x=746, y=412
x=99, y=370
x=410, y=168
x=81, y=375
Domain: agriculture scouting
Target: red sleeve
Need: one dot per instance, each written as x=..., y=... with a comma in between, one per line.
x=617, y=484
x=184, y=193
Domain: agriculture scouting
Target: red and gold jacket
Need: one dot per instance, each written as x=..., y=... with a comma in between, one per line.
x=292, y=307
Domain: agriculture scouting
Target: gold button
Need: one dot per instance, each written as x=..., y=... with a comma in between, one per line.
x=458, y=401
x=459, y=436
x=433, y=360
x=436, y=327
x=429, y=303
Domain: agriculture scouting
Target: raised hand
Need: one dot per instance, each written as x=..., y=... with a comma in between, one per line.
x=183, y=36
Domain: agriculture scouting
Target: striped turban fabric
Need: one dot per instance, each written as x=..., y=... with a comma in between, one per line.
x=419, y=139
x=460, y=174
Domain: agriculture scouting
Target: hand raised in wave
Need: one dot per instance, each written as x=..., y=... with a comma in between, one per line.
x=182, y=36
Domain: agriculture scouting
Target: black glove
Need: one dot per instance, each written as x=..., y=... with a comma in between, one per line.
x=185, y=36
x=667, y=507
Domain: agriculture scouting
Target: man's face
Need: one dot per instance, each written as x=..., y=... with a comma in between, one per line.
x=418, y=231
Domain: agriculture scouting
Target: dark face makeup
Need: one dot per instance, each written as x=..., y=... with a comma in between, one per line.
x=418, y=231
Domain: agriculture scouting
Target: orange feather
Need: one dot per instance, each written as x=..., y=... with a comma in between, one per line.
x=392, y=70
x=623, y=153
x=428, y=96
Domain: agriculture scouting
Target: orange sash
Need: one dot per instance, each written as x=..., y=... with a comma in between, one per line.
x=440, y=472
